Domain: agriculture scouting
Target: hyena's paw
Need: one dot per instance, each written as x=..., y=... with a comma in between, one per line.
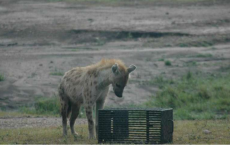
x=92, y=137
x=75, y=133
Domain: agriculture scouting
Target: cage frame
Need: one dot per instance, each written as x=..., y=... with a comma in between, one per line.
x=109, y=129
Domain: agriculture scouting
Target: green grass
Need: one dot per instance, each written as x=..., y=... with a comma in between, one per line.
x=1, y=78
x=57, y=73
x=168, y=63
x=185, y=132
x=191, y=63
x=159, y=81
x=192, y=132
x=196, y=44
x=204, y=55
x=208, y=41
x=195, y=97
x=43, y=135
x=8, y=114
x=161, y=59
x=43, y=106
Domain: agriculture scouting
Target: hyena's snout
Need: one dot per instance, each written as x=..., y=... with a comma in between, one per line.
x=118, y=92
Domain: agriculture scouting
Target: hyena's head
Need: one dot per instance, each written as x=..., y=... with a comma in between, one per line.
x=120, y=77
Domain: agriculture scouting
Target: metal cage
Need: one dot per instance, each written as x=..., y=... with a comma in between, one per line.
x=135, y=126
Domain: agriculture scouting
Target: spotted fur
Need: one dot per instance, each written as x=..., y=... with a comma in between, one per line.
x=88, y=86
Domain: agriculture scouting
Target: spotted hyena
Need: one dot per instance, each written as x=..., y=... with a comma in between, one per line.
x=89, y=85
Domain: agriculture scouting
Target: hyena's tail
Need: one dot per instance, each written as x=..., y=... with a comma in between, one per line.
x=63, y=109
x=69, y=109
x=65, y=102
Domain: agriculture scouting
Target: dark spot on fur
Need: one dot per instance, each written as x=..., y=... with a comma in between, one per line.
x=85, y=94
x=71, y=72
x=76, y=77
x=95, y=74
x=68, y=79
x=88, y=111
x=90, y=72
x=76, y=82
x=90, y=121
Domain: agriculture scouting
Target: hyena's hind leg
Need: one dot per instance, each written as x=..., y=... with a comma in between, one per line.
x=75, y=108
x=65, y=110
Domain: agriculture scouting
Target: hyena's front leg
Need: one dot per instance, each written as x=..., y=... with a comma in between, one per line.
x=88, y=110
x=99, y=105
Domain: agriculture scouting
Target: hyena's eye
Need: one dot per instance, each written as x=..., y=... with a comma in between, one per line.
x=117, y=85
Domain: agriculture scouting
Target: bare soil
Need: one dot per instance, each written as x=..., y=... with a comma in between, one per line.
x=40, y=38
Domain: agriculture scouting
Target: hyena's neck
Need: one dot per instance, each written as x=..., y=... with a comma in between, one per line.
x=104, y=78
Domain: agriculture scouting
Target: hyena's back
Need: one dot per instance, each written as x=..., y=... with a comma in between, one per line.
x=71, y=86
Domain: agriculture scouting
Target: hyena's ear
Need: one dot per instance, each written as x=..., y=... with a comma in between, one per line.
x=115, y=69
x=131, y=68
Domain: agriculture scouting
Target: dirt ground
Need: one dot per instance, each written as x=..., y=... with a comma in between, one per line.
x=27, y=122
x=41, y=40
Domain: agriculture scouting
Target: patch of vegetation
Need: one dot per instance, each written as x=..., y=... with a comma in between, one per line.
x=189, y=75
x=191, y=63
x=148, y=59
x=187, y=41
x=195, y=97
x=48, y=135
x=46, y=106
x=159, y=81
x=161, y=59
x=100, y=42
x=43, y=106
x=213, y=48
x=193, y=132
x=204, y=55
x=57, y=73
x=184, y=132
x=168, y=63
x=205, y=43
x=5, y=113
x=1, y=78
x=225, y=68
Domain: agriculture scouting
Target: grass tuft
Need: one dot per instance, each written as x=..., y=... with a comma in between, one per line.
x=204, y=55
x=57, y=73
x=161, y=59
x=168, y=63
x=195, y=97
x=43, y=106
x=46, y=106
x=1, y=78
